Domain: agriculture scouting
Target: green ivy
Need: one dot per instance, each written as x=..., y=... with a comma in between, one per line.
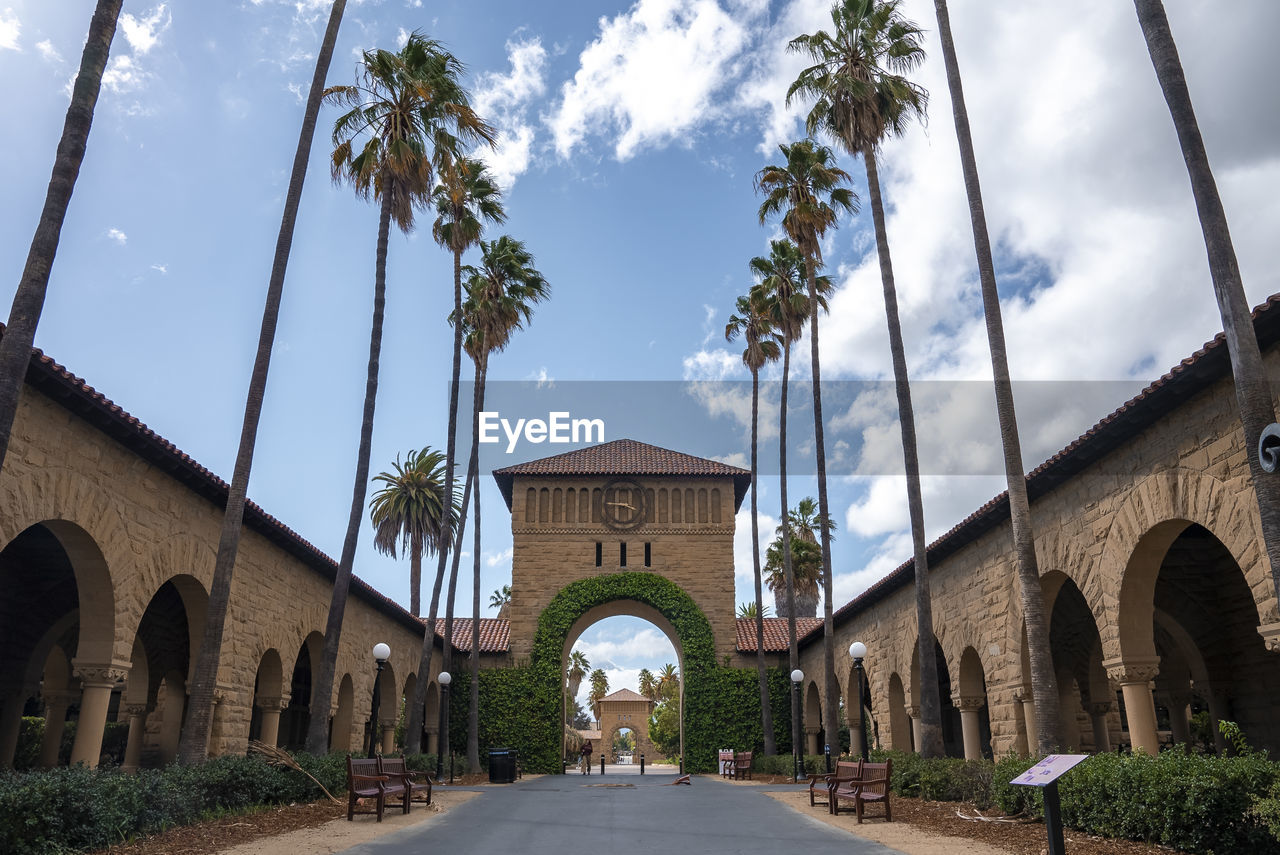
x=520, y=707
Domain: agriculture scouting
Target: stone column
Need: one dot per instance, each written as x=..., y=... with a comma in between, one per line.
x=1217, y=691
x=1101, y=734
x=15, y=698
x=970, y=726
x=55, y=719
x=175, y=701
x=97, y=682
x=137, y=714
x=388, y=737
x=855, y=733
x=811, y=739
x=433, y=744
x=1135, y=676
x=1028, y=703
x=1180, y=716
x=271, y=709
x=913, y=713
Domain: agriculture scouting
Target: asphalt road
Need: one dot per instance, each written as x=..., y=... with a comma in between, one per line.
x=568, y=814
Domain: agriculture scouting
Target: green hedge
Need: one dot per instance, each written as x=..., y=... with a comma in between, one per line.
x=76, y=808
x=31, y=734
x=520, y=706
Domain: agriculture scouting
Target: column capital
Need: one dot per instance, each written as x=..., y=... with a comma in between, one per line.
x=1133, y=669
x=965, y=704
x=100, y=674
x=1022, y=694
x=134, y=709
x=913, y=711
x=59, y=697
x=810, y=728
x=1100, y=708
x=270, y=704
x=1270, y=633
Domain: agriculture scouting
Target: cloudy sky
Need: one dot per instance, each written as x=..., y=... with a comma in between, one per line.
x=630, y=135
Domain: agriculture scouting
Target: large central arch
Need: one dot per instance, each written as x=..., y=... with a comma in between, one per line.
x=655, y=599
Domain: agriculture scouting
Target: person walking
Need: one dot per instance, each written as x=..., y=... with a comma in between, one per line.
x=586, y=757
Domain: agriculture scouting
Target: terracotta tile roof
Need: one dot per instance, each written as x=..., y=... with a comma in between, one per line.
x=73, y=393
x=625, y=457
x=775, y=633
x=495, y=634
x=624, y=695
x=1189, y=377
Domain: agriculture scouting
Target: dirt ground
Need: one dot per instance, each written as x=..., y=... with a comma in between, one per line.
x=320, y=828
x=933, y=828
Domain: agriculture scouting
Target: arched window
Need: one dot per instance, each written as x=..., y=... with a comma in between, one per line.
x=675, y=507
x=715, y=506
x=571, y=505
x=703, y=514
x=544, y=505
x=531, y=506
x=557, y=505
x=662, y=506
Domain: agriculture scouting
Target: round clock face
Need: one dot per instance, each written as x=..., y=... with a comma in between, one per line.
x=624, y=506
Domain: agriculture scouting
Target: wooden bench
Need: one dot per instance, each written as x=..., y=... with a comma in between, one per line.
x=414, y=782
x=821, y=783
x=365, y=782
x=739, y=767
x=871, y=786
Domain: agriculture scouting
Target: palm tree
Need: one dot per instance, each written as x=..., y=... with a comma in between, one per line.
x=806, y=574
x=862, y=97
x=500, y=599
x=195, y=736
x=501, y=294
x=1253, y=392
x=599, y=688
x=28, y=300
x=669, y=682
x=754, y=322
x=464, y=199
x=648, y=684
x=410, y=511
x=579, y=667
x=749, y=610
x=1044, y=688
x=808, y=194
x=404, y=106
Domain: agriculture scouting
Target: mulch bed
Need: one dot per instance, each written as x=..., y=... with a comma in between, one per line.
x=214, y=835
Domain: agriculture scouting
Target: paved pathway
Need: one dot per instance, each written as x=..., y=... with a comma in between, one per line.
x=565, y=814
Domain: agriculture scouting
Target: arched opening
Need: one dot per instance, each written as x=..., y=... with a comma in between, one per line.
x=57, y=592
x=343, y=716
x=431, y=719
x=975, y=719
x=899, y=721
x=382, y=732
x=952, y=742
x=623, y=690
x=296, y=717
x=813, y=724
x=1085, y=704
x=170, y=631
x=268, y=698
x=1187, y=611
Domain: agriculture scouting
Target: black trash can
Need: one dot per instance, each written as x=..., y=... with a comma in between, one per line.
x=502, y=765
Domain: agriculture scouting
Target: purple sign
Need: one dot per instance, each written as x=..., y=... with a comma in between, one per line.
x=1049, y=770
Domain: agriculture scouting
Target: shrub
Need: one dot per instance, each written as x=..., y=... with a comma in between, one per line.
x=76, y=808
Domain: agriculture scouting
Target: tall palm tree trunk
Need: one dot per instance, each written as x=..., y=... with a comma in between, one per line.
x=830, y=705
x=1253, y=392
x=473, y=710
x=766, y=709
x=788, y=572
x=1044, y=688
x=414, y=723
x=930, y=703
x=195, y=736
x=446, y=655
x=322, y=698
x=28, y=301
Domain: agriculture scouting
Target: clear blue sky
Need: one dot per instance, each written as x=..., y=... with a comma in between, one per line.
x=631, y=135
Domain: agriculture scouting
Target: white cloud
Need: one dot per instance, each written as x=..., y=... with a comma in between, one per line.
x=118, y=236
x=651, y=74
x=10, y=29
x=402, y=37
x=503, y=99
x=123, y=75
x=495, y=559
x=162, y=269
x=143, y=33
x=48, y=52
x=716, y=364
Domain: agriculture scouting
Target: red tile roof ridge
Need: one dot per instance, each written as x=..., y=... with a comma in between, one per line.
x=653, y=460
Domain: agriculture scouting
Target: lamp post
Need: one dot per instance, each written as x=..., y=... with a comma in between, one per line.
x=858, y=651
x=797, y=677
x=381, y=653
x=445, y=679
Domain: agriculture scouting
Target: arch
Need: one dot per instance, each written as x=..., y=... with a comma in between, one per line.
x=647, y=596
x=1145, y=525
x=899, y=722
x=715, y=505
x=571, y=505
x=544, y=506
x=677, y=500
x=704, y=512
x=270, y=679
x=531, y=505
x=340, y=728
x=557, y=505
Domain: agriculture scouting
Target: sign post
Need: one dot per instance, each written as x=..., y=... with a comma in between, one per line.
x=1045, y=775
